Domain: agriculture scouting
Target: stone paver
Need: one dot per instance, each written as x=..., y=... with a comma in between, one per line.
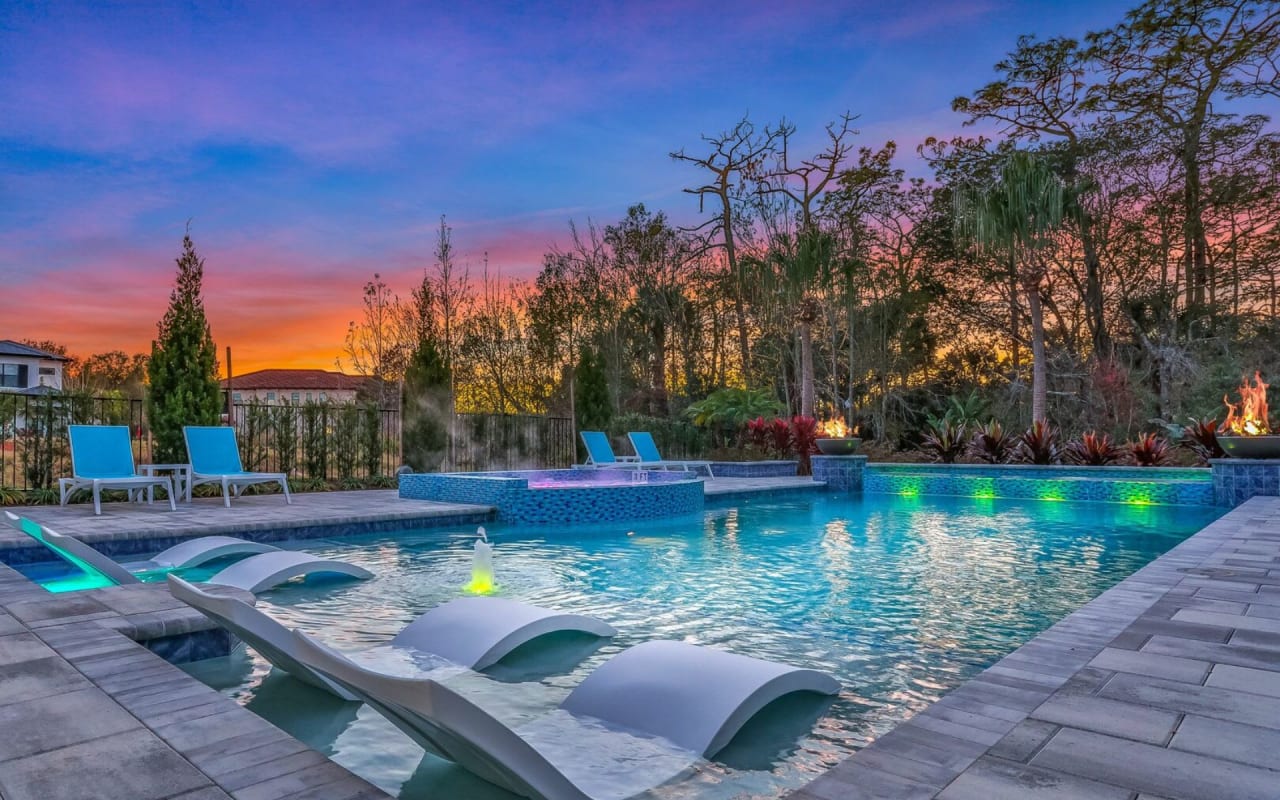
x=87, y=713
x=1165, y=687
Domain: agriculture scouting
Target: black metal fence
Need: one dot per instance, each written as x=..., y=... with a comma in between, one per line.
x=34, y=451
x=315, y=440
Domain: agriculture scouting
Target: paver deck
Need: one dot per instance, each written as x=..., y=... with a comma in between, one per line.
x=87, y=713
x=1165, y=686
x=326, y=513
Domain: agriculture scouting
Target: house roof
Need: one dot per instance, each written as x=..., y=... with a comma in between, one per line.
x=302, y=379
x=8, y=347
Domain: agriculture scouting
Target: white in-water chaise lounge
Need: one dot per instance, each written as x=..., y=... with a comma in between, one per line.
x=637, y=721
x=269, y=567
x=472, y=632
x=102, y=458
x=191, y=553
x=215, y=458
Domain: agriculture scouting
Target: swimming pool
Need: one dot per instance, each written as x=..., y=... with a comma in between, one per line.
x=902, y=598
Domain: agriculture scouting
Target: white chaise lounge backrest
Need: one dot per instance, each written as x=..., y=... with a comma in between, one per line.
x=271, y=639
x=696, y=697
x=446, y=723
x=73, y=551
x=477, y=632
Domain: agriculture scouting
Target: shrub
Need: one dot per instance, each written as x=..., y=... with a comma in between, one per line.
x=284, y=430
x=731, y=408
x=10, y=496
x=944, y=440
x=804, y=437
x=346, y=440
x=1094, y=449
x=1038, y=445
x=42, y=496
x=1149, y=450
x=756, y=434
x=966, y=410
x=371, y=438
x=1201, y=438
x=315, y=440
x=992, y=444
x=676, y=438
x=780, y=438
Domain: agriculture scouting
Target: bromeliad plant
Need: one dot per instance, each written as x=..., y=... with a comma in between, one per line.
x=992, y=444
x=1149, y=450
x=1094, y=449
x=1038, y=445
x=944, y=440
x=1201, y=438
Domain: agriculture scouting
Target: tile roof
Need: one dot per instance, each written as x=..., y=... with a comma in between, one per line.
x=8, y=347
x=303, y=379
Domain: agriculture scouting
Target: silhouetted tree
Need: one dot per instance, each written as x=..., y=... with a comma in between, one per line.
x=183, y=369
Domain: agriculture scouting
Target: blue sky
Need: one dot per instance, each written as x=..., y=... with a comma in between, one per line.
x=312, y=144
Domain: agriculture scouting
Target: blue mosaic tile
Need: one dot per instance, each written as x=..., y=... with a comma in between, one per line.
x=1235, y=480
x=841, y=473
x=579, y=496
x=755, y=469
x=1135, y=485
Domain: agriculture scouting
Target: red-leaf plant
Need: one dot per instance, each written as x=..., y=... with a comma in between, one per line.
x=1038, y=445
x=780, y=430
x=1149, y=450
x=1094, y=450
x=804, y=436
x=1201, y=438
x=757, y=433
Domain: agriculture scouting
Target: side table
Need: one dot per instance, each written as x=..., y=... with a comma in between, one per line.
x=181, y=477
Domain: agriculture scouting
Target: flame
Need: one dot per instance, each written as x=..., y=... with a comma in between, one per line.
x=835, y=428
x=1249, y=416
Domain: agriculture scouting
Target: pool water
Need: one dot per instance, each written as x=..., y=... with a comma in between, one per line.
x=901, y=598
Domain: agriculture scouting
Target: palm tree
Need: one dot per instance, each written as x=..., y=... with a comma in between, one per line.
x=1017, y=217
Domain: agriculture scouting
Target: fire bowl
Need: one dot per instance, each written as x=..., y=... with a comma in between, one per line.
x=1250, y=446
x=843, y=447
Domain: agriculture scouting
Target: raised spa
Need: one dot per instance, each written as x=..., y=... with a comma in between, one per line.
x=564, y=496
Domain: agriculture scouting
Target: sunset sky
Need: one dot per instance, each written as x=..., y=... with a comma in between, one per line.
x=312, y=144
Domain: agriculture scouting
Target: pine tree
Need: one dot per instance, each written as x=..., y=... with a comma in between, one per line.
x=424, y=438
x=592, y=406
x=183, y=369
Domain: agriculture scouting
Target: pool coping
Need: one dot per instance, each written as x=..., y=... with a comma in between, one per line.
x=1149, y=689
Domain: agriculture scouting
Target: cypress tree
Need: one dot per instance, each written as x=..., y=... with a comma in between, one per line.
x=183, y=369
x=424, y=436
x=591, y=403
